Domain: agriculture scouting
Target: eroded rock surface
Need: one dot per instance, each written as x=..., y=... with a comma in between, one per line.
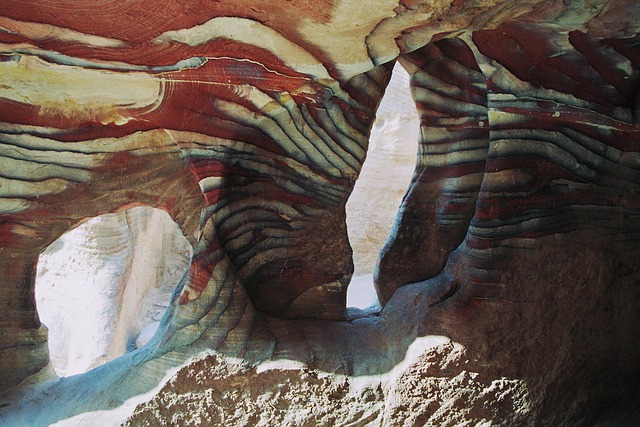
x=102, y=289
x=437, y=388
x=249, y=123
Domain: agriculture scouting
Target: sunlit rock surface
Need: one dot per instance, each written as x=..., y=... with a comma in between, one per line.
x=383, y=182
x=102, y=288
x=248, y=123
x=386, y=173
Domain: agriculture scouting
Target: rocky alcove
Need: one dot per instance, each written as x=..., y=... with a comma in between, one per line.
x=508, y=285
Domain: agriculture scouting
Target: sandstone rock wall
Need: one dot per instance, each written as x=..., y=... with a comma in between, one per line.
x=386, y=173
x=104, y=283
x=249, y=122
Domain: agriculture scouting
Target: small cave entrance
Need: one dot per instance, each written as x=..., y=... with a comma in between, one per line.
x=384, y=179
x=102, y=287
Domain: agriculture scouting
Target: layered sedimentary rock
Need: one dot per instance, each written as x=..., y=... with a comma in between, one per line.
x=249, y=124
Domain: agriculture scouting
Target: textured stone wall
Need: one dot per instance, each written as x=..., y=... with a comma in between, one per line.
x=102, y=288
x=511, y=266
x=386, y=173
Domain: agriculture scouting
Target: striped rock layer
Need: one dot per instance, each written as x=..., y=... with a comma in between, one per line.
x=525, y=200
x=249, y=122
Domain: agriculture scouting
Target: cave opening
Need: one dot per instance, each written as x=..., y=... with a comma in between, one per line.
x=102, y=287
x=383, y=182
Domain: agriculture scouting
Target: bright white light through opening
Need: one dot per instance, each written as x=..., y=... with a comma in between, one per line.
x=385, y=177
x=102, y=288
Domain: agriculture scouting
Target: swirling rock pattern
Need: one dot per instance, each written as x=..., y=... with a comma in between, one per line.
x=249, y=123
